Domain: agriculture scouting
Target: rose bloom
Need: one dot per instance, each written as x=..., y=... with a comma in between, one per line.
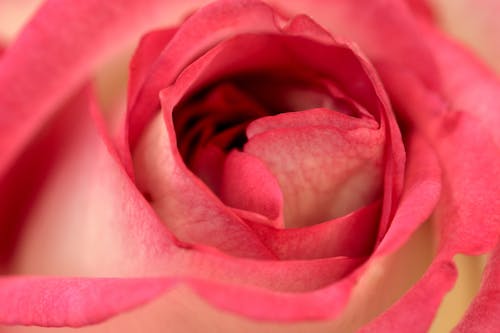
x=279, y=166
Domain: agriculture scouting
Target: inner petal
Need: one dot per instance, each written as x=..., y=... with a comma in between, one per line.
x=287, y=115
x=324, y=171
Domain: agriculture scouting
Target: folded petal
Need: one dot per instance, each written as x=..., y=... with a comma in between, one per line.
x=78, y=222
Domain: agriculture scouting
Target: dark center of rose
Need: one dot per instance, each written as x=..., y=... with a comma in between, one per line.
x=213, y=121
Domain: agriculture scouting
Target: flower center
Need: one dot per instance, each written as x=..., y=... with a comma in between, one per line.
x=215, y=121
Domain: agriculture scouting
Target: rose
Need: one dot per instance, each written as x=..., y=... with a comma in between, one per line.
x=33, y=289
x=132, y=241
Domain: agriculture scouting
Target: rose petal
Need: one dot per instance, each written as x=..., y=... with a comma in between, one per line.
x=473, y=88
x=352, y=235
x=343, y=18
x=24, y=182
x=421, y=194
x=222, y=19
x=137, y=243
x=323, y=172
x=47, y=301
x=468, y=188
x=92, y=32
x=247, y=184
x=146, y=53
x=80, y=232
x=13, y=15
x=186, y=205
x=146, y=248
x=469, y=159
x=313, y=118
x=422, y=8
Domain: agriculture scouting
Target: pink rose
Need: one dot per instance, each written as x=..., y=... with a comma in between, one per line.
x=305, y=166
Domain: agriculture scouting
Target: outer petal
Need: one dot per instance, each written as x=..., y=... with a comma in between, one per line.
x=84, y=231
x=360, y=22
x=92, y=32
x=72, y=301
x=470, y=163
x=470, y=183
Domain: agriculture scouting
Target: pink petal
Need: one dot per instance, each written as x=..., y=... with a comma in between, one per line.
x=473, y=88
x=469, y=186
x=359, y=21
x=13, y=15
x=146, y=53
x=422, y=8
x=92, y=32
x=20, y=186
x=459, y=90
x=332, y=180
x=186, y=205
x=468, y=157
x=78, y=222
x=47, y=301
x=222, y=20
x=352, y=235
x=203, y=123
x=247, y=184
